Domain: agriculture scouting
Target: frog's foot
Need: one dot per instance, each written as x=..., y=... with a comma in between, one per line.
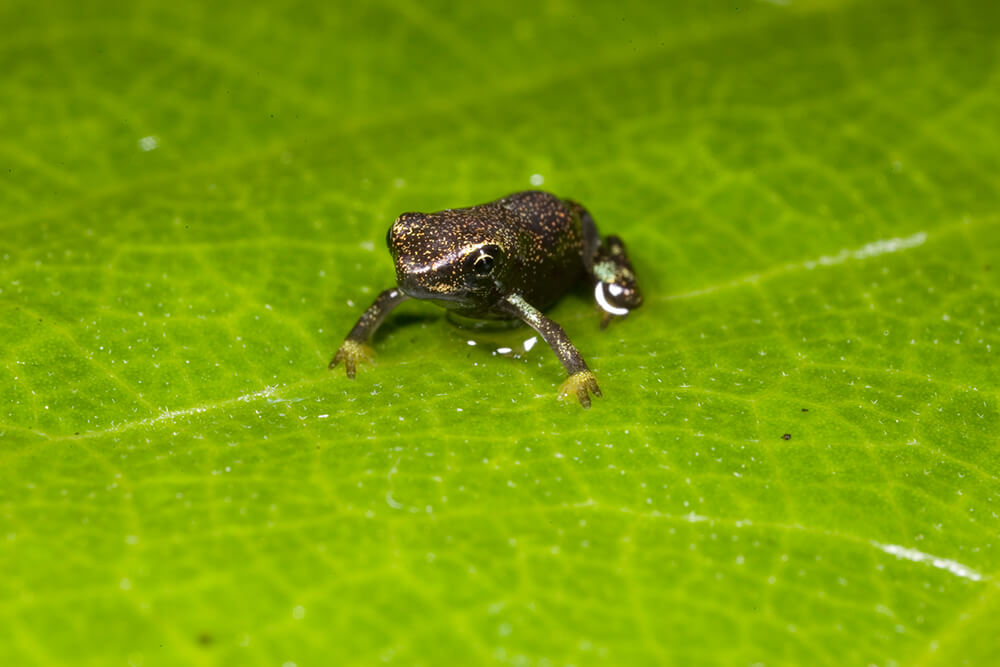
x=352, y=353
x=607, y=318
x=580, y=384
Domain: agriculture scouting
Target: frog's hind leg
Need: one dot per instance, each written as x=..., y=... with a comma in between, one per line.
x=609, y=268
x=615, y=288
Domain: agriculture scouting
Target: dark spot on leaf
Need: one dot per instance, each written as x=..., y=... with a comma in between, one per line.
x=205, y=639
x=787, y=436
x=805, y=409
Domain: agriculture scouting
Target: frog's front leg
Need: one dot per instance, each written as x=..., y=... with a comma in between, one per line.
x=355, y=347
x=581, y=380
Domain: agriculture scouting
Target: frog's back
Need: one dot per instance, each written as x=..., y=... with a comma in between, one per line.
x=550, y=244
x=542, y=213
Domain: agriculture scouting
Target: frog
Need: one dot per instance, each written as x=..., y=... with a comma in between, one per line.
x=508, y=259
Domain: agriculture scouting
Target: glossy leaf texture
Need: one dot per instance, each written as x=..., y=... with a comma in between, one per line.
x=795, y=460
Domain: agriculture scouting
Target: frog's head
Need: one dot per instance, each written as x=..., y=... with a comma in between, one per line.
x=451, y=257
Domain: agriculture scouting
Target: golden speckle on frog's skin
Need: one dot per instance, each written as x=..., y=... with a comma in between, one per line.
x=503, y=260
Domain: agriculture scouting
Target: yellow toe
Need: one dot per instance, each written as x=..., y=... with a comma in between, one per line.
x=580, y=384
x=352, y=353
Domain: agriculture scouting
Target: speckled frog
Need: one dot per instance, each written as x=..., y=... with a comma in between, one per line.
x=504, y=260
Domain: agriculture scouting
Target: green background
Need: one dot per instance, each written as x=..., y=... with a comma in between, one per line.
x=193, y=203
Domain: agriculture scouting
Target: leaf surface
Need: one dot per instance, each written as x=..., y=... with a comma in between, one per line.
x=795, y=460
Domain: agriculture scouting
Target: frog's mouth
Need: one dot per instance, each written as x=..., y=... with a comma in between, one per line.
x=434, y=292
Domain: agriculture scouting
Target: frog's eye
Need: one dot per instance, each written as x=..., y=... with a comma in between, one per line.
x=483, y=266
x=483, y=261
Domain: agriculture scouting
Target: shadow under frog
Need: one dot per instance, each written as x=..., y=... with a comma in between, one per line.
x=504, y=260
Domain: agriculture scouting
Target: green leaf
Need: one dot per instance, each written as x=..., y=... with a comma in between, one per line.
x=795, y=460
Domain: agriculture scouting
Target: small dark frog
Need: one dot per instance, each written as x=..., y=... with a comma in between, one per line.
x=504, y=260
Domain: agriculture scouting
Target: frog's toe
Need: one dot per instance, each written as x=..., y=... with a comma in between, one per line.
x=607, y=318
x=581, y=384
x=352, y=353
